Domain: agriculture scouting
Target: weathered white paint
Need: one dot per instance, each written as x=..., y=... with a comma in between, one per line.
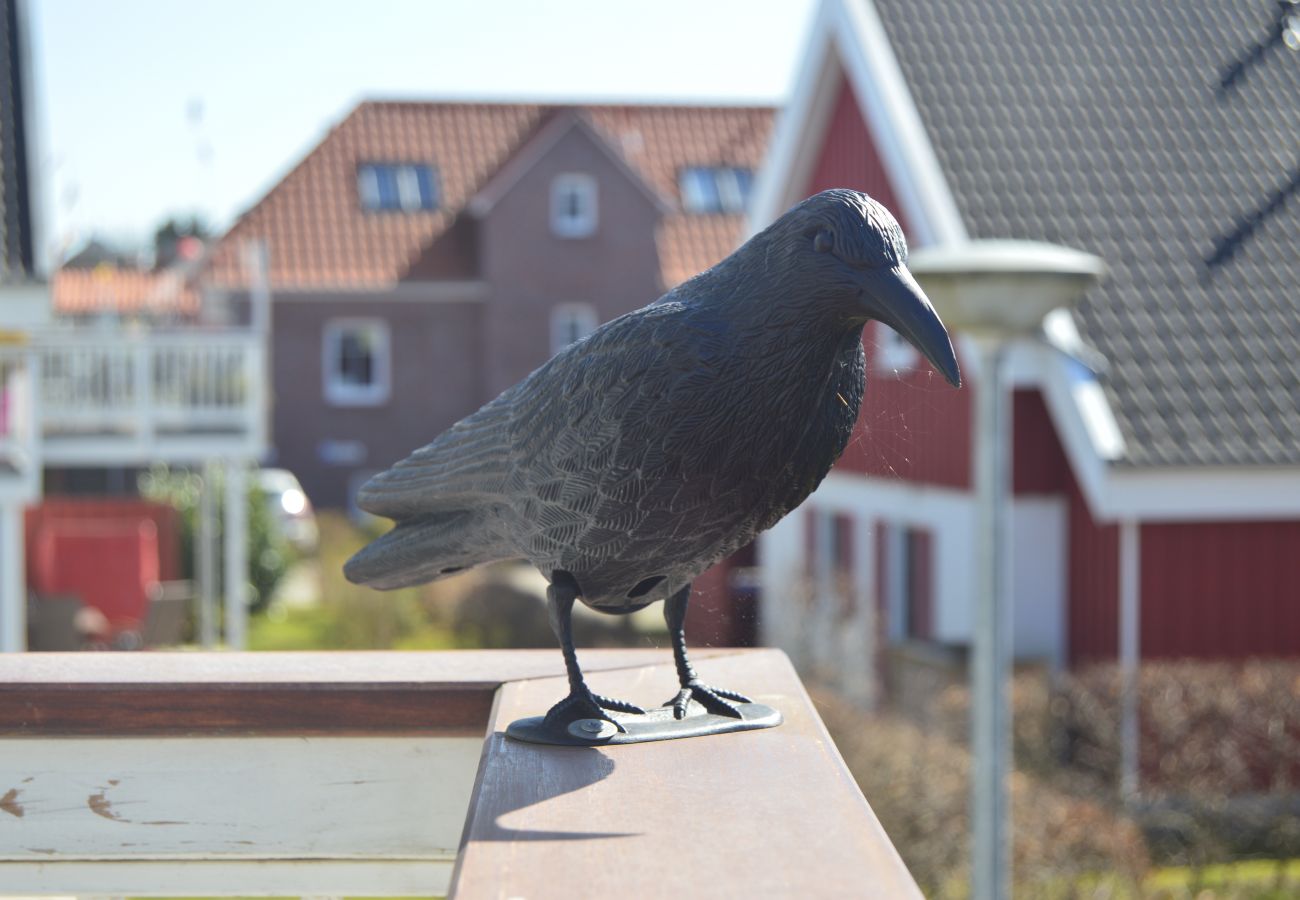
x=205, y=551
x=238, y=878
x=204, y=798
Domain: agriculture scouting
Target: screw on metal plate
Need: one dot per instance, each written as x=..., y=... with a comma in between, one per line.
x=592, y=728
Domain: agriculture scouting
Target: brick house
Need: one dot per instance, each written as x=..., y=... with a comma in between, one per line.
x=425, y=256
x=1156, y=508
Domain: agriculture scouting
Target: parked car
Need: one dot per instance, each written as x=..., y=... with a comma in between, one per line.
x=290, y=508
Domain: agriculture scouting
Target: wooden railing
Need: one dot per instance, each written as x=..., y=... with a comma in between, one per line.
x=128, y=398
x=388, y=774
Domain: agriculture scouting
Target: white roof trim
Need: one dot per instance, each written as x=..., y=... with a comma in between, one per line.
x=1091, y=439
x=905, y=148
x=790, y=156
x=847, y=36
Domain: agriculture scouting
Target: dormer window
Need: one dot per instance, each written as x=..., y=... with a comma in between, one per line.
x=715, y=189
x=573, y=205
x=571, y=322
x=397, y=187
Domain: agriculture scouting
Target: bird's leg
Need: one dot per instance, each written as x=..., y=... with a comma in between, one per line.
x=581, y=702
x=715, y=700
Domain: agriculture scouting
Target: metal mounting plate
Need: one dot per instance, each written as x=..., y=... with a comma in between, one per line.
x=654, y=725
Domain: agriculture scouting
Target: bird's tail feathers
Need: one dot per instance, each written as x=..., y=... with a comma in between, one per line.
x=425, y=549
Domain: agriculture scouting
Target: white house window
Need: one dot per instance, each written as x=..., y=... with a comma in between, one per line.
x=355, y=362
x=894, y=355
x=715, y=189
x=400, y=187
x=573, y=205
x=571, y=322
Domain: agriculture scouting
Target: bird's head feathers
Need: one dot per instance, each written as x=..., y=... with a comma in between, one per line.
x=841, y=256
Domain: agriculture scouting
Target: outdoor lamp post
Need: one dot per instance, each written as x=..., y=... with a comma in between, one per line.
x=996, y=292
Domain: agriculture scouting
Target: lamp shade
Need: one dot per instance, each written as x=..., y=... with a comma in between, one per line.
x=1002, y=287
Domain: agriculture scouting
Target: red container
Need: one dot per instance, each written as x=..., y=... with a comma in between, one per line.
x=111, y=565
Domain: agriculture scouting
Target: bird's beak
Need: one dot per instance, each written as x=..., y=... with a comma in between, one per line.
x=893, y=297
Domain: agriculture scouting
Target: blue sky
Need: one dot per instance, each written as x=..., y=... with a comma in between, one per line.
x=151, y=108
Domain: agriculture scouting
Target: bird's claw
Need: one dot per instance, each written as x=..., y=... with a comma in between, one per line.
x=586, y=705
x=617, y=705
x=715, y=700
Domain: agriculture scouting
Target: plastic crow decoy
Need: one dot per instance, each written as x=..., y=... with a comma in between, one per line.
x=667, y=439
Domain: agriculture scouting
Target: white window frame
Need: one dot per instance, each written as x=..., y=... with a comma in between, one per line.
x=339, y=392
x=368, y=187
x=582, y=313
x=562, y=187
x=895, y=356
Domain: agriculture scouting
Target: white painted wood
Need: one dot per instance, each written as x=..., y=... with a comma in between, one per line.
x=945, y=512
x=900, y=138
x=1130, y=652
x=1037, y=566
x=244, y=878
x=250, y=798
x=13, y=587
x=235, y=534
x=132, y=399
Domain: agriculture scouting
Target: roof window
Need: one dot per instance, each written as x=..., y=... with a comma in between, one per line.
x=715, y=189
x=397, y=187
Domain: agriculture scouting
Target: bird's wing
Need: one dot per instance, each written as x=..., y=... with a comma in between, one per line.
x=615, y=436
x=547, y=421
x=456, y=470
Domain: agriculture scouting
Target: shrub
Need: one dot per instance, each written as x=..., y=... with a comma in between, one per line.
x=918, y=783
x=269, y=554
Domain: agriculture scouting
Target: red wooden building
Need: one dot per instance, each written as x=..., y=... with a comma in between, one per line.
x=1157, y=426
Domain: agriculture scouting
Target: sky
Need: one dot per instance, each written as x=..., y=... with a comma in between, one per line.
x=151, y=108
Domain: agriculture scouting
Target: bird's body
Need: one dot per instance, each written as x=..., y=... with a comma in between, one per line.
x=671, y=436
x=647, y=451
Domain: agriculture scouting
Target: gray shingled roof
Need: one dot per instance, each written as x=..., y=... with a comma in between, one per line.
x=1165, y=137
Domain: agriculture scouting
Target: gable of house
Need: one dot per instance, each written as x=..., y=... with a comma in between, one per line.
x=320, y=237
x=1166, y=146
x=567, y=240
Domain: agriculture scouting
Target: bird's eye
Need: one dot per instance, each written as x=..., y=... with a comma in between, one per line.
x=824, y=240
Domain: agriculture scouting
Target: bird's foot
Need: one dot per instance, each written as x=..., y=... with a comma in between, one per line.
x=715, y=700
x=583, y=704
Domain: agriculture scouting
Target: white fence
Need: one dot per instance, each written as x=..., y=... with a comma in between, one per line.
x=122, y=400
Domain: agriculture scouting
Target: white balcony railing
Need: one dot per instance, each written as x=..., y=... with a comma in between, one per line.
x=106, y=399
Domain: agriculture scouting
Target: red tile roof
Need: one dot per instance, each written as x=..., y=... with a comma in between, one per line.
x=108, y=289
x=319, y=237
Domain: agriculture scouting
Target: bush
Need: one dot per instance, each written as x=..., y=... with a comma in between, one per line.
x=269, y=554
x=919, y=783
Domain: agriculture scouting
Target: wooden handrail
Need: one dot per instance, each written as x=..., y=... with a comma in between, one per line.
x=390, y=740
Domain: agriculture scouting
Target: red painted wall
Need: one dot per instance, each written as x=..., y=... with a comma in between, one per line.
x=1226, y=590
x=1038, y=463
x=1092, y=584
x=914, y=427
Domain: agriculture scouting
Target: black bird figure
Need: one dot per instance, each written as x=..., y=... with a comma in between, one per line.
x=668, y=438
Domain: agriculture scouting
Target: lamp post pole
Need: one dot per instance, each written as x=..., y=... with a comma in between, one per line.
x=995, y=292
x=991, y=651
